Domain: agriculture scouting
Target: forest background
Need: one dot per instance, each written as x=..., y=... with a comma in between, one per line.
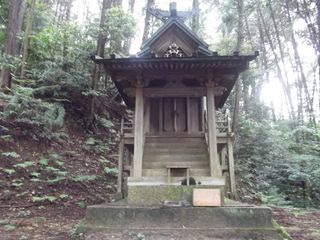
x=59, y=115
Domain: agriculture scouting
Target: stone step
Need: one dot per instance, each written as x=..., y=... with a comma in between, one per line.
x=174, y=145
x=191, y=164
x=157, y=217
x=95, y=233
x=175, y=140
x=201, y=172
x=175, y=158
x=163, y=180
x=172, y=150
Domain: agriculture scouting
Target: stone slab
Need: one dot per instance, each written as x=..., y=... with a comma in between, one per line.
x=182, y=234
x=206, y=197
x=133, y=217
x=154, y=195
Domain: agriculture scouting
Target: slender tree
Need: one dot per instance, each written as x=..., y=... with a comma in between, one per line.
x=131, y=6
x=27, y=32
x=196, y=16
x=147, y=22
x=102, y=38
x=238, y=82
x=17, y=8
x=284, y=83
x=302, y=76
x=127, y=44
x=318, y=23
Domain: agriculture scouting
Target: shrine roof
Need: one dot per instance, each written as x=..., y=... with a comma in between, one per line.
x=234, y=63
x=175, y=30
x=227, y=68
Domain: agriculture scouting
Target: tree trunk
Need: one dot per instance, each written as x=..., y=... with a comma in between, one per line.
x=235, y=120
x=264, y=62
x=195, y=18
x=147, y=23
x=318, y=23
x=285, y=85
x=127, y=44
x=277, y=34
x=26, y=38
x=106, y=4
x=11, y=42
x=297, y=58
x=131, y=6
x=66, y=20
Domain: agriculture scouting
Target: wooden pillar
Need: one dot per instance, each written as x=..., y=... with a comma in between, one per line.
x=188, y=115
x=160, y=115
x=138, y=133
x=147, y=105
x=201, y=117
x=215, y=168
x=120, y=164
x=231, y=167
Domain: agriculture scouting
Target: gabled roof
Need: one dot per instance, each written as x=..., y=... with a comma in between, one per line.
x=174, y=31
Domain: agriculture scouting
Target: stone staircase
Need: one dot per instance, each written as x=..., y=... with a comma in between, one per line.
x=159, y=152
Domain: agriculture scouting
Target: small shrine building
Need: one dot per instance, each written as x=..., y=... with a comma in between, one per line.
x=174, y=86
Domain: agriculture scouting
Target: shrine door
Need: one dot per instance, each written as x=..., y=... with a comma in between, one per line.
x=174, y=115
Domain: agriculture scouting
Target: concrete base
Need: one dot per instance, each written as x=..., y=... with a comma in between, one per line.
x=184, y=222
x=152, y=191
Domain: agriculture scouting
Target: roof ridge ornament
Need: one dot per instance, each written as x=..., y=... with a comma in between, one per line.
x=164, y=16
x=174, y=51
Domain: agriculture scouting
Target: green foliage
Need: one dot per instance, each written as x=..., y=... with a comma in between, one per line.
x=10, y=154
x=35, y=174
x=8, y=61
x=9, y=171
x=56, y=180
x=9, y=227
x=24, y=164
x=84, y=178
x=44, y=198
x=112, y=171
x=44, y=162
x=106, y=123
x=278, y=163
x=63, y=196
x=91, y=141
x=96, y=145
x=81, y=204
x=23, y=109
x=119, y=28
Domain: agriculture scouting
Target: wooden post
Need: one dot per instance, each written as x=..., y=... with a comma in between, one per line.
x=231, y=163
x=215, y=168
x=138, y=132
x=188, y=115
x=160, y=115
x=147, y=115
x=231, y=167
x=120, y=161
x=201, y=117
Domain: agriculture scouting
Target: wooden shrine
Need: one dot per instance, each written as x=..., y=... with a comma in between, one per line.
x=174, y=86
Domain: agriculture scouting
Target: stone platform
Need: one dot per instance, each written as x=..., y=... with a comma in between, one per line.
x=146, y=191
x=155, y=222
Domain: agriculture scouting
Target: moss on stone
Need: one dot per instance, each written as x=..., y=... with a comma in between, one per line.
x=281, y=230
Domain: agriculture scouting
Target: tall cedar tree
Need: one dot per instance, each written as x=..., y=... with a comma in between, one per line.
x=11, y=42
x=147, y=23
x=27, y=32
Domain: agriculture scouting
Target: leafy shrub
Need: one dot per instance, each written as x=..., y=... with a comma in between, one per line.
x=25, y=111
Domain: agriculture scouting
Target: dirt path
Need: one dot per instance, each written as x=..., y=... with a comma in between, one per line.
x=58, y=222
x=43, y=222
x=301, y=224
